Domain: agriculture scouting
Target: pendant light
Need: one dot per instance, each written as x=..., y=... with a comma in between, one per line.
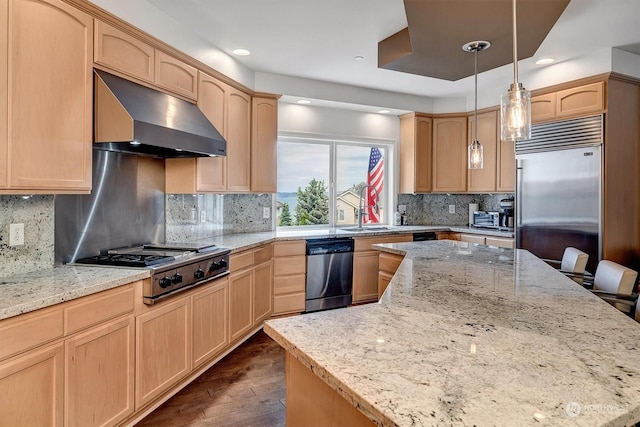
x=515, y=105
x=475, y=156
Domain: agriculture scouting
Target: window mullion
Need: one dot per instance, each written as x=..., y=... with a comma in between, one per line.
x=332, y=185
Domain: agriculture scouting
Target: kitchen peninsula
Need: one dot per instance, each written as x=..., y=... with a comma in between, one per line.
x=465, y=335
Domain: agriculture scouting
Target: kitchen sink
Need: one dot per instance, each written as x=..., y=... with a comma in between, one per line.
x=372, y=228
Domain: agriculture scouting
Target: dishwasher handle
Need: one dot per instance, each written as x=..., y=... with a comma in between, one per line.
x=329, y=246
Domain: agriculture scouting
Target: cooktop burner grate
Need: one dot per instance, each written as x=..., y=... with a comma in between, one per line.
x=127, y=260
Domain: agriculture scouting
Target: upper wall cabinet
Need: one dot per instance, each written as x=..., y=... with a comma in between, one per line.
x=120, y=51
x=238, y=142
x=132, y=57
x=415, y=153
x=449, y=154
x=264, y=140
x=484, y=180
x=568, y=103
x=46, y=97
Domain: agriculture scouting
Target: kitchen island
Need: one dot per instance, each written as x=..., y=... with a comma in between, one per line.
x=466, y=335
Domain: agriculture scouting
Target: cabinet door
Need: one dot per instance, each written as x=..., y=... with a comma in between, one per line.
x=31, y=387
x=580, y=100
x=163, y=349
x=210, y=321
x=472, y=238
x=450, y=154
x=100, y=375
x=50, y=96
x=543, y=107
x=365, y=276
x=4, y=179
x=262, y=292
x=384, y=279
x=238, y=141
x=175, y=76
x=484, y=180
x=264, y=150
x=240, y=307
x=506, y=179
x=118, y=50
x=415, y=154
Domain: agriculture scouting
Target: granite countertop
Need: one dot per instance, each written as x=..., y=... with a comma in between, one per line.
x=475, y=335
x=31, y=291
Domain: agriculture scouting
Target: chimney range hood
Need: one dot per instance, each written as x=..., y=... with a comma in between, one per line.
x=131, y=118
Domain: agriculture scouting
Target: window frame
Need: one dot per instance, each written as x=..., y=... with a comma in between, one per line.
x=388, y=148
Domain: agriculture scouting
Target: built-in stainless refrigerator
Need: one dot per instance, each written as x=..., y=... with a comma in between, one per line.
x=559, y=189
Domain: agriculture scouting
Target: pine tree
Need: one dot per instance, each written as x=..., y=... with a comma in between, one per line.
x=285, y=216
x=313, y=204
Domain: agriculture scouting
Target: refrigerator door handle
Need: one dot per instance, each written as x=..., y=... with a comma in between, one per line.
x=518, y=204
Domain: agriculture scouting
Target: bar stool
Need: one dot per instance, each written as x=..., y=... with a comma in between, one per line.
x=615, y=284
x=573, y=264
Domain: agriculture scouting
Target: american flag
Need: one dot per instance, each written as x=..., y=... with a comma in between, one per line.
x=375, y=177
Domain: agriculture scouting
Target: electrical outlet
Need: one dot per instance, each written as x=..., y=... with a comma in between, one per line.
x=266, y=213
x=402, y=209
x=203, y=216
x=452, y=208
x=16, y=234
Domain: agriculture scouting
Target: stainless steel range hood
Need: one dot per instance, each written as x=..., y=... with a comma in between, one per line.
x=131, y=118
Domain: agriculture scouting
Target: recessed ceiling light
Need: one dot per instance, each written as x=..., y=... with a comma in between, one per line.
x=384, y=111
x=304, y=101
x=545, y=61
x=241, y=52
x=358, y=58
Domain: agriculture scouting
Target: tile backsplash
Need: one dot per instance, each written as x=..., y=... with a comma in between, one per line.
x=36, y=213
x=433, y=209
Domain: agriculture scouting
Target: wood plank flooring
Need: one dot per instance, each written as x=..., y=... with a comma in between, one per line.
x=246, y=388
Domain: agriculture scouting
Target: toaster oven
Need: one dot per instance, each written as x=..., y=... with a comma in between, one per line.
x=486, y=219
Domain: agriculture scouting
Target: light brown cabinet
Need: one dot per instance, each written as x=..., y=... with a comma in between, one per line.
x=264, y=139
x=388, y=265
x=501, y=242
x=120, y=51
x=32, y=387
x=175, y=76
x=415, y=153
x=163, y=348
x=484, y=180
x=506, y=170
x=449, y=154
x=99, y=375
x=289, y=276
x=238, y=142
x=262, y=292
x=210, y=326
x=365, y=265
x=572, y=102
x=240, y=303
x=44, y=151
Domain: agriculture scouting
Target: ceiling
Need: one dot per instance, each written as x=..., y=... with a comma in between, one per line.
x=320, y=39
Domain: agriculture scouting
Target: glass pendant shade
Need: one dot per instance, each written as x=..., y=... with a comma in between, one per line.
x=475, y=155
x=515, y=111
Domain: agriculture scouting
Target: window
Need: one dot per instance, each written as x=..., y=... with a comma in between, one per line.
x=320, y=182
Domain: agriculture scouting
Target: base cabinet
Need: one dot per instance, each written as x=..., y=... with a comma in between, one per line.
x=163, y=349
x=210, y=325
x=31, y=387
x=289, y=277
x=240, y=303
x=99, y=375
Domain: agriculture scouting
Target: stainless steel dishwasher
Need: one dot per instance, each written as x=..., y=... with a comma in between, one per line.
x=329, y=273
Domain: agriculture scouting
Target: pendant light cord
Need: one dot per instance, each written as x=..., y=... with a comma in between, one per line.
x=475, y=111
x=515, y=47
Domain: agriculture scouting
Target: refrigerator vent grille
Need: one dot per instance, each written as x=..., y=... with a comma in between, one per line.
x=563, y=135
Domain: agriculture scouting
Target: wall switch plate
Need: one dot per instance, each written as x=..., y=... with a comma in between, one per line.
x=266, y=213
x=402, y=209
x=16, y=234
x=203, y=216
x=452, y=208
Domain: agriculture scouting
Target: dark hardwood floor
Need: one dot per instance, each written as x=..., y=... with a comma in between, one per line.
x=246, y=388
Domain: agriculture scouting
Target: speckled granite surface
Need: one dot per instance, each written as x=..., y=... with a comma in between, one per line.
x=475, y=335
x=43, y=288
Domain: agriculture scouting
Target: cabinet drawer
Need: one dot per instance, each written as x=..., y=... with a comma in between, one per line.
x=263, y=254
x=30, y=330
x=389, y=262
x=364, y=243
x=297, y=247
x=289, y=284
x=472, y=239
x=97, y=308
x=292, y=303
x=501, y=242
x=240, y=261
x=289, y=265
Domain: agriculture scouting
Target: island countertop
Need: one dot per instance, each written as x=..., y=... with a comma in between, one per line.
x=475, y=335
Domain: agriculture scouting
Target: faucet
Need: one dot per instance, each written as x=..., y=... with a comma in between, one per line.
x=360, y=203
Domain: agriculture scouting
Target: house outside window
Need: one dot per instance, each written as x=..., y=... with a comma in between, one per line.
x=320, y=182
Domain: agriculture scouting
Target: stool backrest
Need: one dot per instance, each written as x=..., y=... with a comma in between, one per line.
x=614, y=278
x=574, y=261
